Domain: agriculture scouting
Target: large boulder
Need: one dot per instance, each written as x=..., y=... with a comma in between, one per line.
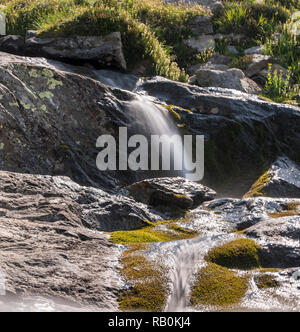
x=230, y=79
x=171, y=192
x=47, y=252
x=255, y=130
x=281, y=180
x=101, y=51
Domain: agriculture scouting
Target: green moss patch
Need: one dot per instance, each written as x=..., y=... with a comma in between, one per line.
x=265, y=281
x=216, y=285
x=239, y=254
x=150, y=234
x=148, y=291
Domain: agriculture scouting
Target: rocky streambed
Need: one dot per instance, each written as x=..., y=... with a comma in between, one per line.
x=74, y=238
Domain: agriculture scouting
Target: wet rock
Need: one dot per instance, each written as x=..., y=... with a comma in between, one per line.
x=201, y=25
x=230, y=79
x=259, y=62
x=279, y=239
x=253, y=128
x=245, y=213
x=101, y=51
x=171, y=192
x=12, y=44
x=47, y=251
x=281, y=180
x=201, y=43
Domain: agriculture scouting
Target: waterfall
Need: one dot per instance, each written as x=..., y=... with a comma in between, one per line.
x=157, y=120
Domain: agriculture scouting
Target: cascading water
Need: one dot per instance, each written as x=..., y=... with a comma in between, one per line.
x=158, y=121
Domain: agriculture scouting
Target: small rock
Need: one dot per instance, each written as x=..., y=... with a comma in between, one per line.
x=232, y=50
x=103, y=51
x=230, y=79
x=259, y=62
x=201, y=43
x=220, y=59
x=201, y=25
x=12, y=44
x=31, y=34
x=171, y=192
x=255, y=50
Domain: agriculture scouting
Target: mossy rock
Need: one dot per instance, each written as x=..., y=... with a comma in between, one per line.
x=265, y=281
x=238, y=254
x=216, y=285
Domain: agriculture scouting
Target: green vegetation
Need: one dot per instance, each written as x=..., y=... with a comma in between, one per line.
x=150, y=29
x=268, y=23
x=150, y=234
x=265, y=281
x=278, y=86
x=216, y=285
x=238, y=254
x=148, y=292
x=153, y=32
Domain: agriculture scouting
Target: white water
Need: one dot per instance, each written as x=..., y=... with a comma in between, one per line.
x=158, y=121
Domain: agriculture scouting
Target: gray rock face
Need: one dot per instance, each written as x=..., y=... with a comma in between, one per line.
x=282, y=180
x=171, y=192
x=12, y=44
x=201, y=25
x=102, y=51
x=279, y=239
x=201, y=43
x=47, y=251
x=230, y=79
x=41, y=111
x=52, y=199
